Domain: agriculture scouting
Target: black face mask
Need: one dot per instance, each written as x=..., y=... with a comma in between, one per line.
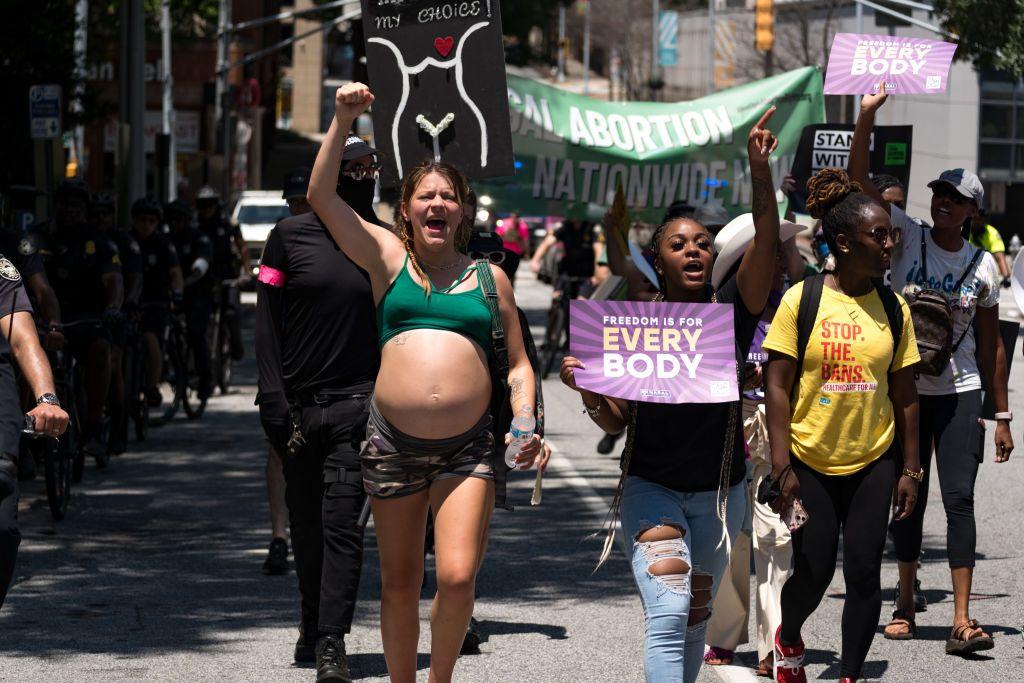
x=358, y=194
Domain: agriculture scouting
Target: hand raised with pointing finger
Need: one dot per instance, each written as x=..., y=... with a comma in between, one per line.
x=351, y=100
x=761, y=143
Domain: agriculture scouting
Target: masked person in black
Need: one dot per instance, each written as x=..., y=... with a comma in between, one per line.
x=162, y=287
x=18, y=339
x=230, y=258
x=101, y=216
x=195, y=254
x=84, y=269
x=316, y=349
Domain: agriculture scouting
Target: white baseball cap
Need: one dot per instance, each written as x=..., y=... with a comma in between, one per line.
x=732, y=242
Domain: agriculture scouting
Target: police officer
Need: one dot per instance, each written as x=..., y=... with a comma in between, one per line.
x=226, y=240
x=18, y=338
x=195, y=254
x=162, y=287
x=84, y=269
x=102, y=217
x=317, y=356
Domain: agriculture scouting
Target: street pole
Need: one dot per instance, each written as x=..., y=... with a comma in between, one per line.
x=81, y=38
x=654, y=44
x=586, y=48
x=711, y=46
x=561, y=43
x=860, y=18
x=222, y=105
x=135, y=96
x=167, y=119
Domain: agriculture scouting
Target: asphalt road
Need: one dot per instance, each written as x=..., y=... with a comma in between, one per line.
x=155, y=573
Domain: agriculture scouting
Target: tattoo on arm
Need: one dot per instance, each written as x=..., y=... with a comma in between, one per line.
x=516, y=388
x=763, y=196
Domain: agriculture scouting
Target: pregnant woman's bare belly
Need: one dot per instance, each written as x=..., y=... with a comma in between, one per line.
x=432, y=384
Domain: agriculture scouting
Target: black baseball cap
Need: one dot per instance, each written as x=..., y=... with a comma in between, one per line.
x=296, y=183
x=356, y=147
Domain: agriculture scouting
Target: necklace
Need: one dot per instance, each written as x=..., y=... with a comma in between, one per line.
x=443, y=268
x=850, y=312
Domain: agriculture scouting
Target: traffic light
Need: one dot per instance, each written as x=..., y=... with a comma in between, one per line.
x=764, y=31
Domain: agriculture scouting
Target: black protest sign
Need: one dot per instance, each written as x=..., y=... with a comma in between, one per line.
x=827, y=145
x=437, y=69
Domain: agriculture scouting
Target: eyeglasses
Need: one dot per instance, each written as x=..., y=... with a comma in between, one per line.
x=495, y=257
x=362, y=172
x=883, y=235
x=950, y=194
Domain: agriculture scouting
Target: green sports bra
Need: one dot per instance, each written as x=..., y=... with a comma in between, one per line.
x=405, y=306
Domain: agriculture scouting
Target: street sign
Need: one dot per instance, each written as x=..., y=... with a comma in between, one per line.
x=44, y=111
x=668, y=37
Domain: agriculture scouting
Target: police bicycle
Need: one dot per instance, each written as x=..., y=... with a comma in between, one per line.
x=135, y=407
x=179, y=381
x=225, y=319
x=556, y=338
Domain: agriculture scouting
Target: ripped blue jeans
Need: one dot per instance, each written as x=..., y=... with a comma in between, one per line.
x=678, y=572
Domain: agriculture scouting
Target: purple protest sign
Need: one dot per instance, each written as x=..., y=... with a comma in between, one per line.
x=858, y=63
x=655, y=352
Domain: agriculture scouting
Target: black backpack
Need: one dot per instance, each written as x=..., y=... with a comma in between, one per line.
x=933, y=321
x=810, y=300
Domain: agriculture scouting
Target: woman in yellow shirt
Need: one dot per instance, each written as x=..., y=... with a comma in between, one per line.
x=834, y=448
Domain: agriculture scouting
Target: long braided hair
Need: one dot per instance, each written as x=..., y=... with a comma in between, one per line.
x=403, y=227
x=838, y=201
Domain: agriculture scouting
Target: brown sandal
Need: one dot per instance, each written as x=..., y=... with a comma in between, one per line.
x=901, y=619
x=963, y=640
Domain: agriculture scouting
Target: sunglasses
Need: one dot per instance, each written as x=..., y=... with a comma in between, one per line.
x=883, y=235
x=495, y=257
x=362, y=172
x=950, y=194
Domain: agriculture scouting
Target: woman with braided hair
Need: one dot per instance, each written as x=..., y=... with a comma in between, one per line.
x=429, y=442
x=841, y=411
x=682, y=493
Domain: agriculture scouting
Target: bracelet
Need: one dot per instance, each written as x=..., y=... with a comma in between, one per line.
x=1008, y=416
x=917, y=476
x=592, y=412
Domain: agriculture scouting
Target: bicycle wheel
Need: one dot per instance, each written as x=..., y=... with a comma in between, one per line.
x=552, y=340
x=57, y=460
x=172, y=386
x=222, y=356
x=192, y=402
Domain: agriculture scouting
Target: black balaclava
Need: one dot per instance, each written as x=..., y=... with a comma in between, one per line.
x=358, y=194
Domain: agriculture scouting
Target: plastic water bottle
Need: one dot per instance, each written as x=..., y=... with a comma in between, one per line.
x=522, y=431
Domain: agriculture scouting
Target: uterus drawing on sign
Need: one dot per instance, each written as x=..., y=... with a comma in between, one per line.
x=428, y=88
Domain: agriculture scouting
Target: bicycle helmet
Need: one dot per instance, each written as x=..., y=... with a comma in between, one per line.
x=72, y=188
x=103, y=200
x=178, y=209
x=207, y=193
x=146, y=206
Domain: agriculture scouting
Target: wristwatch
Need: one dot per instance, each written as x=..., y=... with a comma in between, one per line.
x=917, y=476
x=1008, y=416
x=51, y=399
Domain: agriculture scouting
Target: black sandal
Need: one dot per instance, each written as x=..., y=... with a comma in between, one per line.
x=961, y=642
x=901, y=618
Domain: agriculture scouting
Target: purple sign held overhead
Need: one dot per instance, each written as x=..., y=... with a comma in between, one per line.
x=858, y=63
x=655, y=352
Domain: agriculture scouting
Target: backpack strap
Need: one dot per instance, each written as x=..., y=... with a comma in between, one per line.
x=893, y=311
x=490, y=290
x=810, y=299
x=924, y=259
x=956, y=287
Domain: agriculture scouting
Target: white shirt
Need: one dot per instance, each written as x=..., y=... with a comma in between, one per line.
x=979, y=288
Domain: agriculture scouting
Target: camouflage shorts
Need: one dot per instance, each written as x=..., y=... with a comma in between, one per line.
x=396, y=464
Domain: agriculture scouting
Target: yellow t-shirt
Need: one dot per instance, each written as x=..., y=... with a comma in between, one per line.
x=843, y=418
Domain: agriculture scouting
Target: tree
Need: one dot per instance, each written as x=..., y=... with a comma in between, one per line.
x=991, y=32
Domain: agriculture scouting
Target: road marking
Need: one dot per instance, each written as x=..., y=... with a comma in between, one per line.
x=599, y=506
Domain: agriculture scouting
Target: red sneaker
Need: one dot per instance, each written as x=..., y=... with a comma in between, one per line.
x=789, y=662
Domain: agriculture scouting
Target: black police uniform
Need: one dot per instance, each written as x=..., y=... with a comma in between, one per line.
x=131, y=270
x=191, y=244
x=158, y=258
x=317, y=354
x=13, y=299
x=76, y=262
x=225, y=266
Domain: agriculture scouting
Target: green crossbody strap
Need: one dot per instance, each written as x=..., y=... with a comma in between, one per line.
x=490, y=290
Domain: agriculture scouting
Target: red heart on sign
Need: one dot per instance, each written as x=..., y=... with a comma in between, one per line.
x=444, y=45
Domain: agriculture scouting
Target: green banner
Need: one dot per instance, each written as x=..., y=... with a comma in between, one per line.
x=572, y=151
